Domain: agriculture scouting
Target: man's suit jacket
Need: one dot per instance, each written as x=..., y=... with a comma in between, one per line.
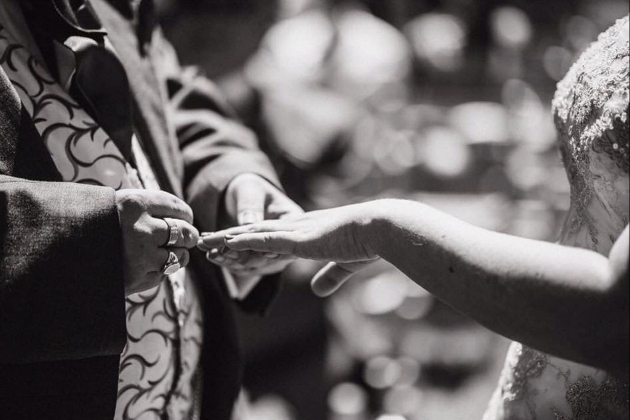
x=62, y=315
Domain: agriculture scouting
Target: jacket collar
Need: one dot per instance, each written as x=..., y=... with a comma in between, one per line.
x=147, y=87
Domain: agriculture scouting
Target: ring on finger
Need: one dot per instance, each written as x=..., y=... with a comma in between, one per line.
x=172, y=265
x=173, y=231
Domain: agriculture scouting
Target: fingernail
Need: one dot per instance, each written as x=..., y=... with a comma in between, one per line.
x=229, y=237
x=272, y=256
x=204, y=234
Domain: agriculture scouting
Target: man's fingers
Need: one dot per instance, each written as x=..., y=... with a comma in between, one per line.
x=161, y=204
x=268, y=242
x=250, y=203
x=215, y=256
x=248, y=260
x=277, y=266
x=187, y=234
x=161, y=257
x=210, y=241
x=330, y=278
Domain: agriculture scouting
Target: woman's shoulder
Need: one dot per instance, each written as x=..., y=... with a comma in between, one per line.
x=594, y=92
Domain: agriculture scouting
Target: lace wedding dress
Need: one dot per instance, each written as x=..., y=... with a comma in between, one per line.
x=591, y=115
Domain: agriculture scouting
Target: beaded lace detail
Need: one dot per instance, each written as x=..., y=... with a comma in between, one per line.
x=592, y=401
x=591, y=115
x=591, y=109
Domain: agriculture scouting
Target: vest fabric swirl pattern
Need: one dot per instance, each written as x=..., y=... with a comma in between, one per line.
x=159, y=376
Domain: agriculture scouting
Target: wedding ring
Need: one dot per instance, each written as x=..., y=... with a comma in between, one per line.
x=173, y=232
x=172, y=265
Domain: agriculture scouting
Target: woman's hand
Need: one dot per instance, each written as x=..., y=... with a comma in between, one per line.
x=249, y=198
x=333, y=235
x=341, y=235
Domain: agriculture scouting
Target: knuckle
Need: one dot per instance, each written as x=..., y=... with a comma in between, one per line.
x=135, y=199
x=190, y=234
x=177, y=202
x=143, y=231
x=174, y=202
x=130, y=203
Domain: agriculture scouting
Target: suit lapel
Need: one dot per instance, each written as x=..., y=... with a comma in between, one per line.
x=151, y=121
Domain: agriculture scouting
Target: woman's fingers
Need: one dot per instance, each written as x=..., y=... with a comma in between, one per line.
x=209, y=241
x=330, y=278
x=268, y=242
x=212, y=240
x=248, y=262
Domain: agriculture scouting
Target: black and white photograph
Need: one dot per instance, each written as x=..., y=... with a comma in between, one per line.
x=314, y=210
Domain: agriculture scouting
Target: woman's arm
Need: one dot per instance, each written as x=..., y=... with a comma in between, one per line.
x=566, y=301
x=562, y=300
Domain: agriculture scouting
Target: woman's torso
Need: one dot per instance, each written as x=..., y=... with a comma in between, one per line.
x=591, y=112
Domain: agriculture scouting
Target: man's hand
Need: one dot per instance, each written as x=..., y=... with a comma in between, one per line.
x=144, y=234
x=249, y=198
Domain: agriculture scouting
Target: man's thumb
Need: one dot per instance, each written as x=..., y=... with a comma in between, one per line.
x=250, y=204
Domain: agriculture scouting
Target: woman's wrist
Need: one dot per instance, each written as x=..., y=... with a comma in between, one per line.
x=388, y=222
x=376, y=226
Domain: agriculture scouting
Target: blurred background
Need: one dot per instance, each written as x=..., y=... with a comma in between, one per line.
x=443, y=101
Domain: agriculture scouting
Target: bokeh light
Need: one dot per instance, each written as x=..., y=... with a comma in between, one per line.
x=348, y=399
x=438, y=40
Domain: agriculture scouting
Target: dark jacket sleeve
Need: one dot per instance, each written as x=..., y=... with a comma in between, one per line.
x=216, y=148
x=61, y=282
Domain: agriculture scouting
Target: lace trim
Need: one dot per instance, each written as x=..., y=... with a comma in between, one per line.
x=591, y=114
x=587, y=400
x=590, y=401
x=595, y=93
